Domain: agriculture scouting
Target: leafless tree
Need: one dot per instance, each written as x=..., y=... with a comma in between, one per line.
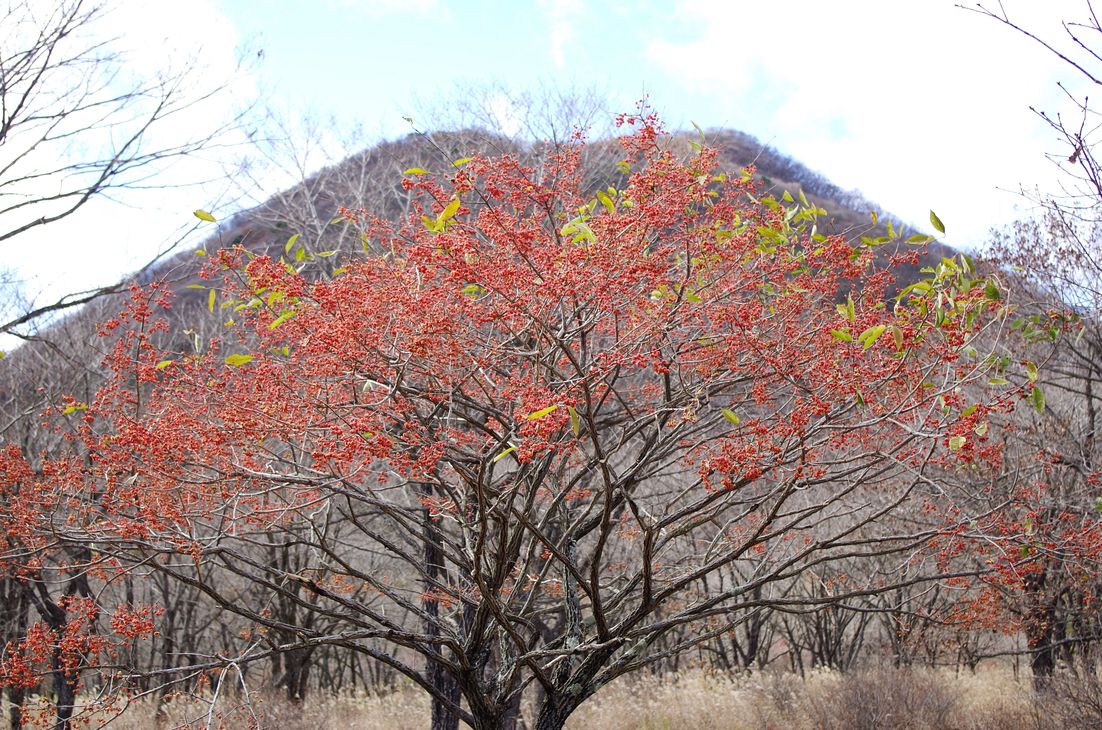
x=77, y=122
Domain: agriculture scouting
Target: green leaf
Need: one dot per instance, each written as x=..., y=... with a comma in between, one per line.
x=286, y=315
x=503, y=454
x=210, y=299
x=842, y=335
x=936, y=222
x=871, y=335
x=164, y=364
x=956, y=443
x=1031, y=372
x=997, y=381
x=575, y=421
x=73, y=408
x=847, y=310
x=238, y=360
x=204, y=216
x=291, y=243
x=416, y=171
x=536, y=415
x=471, y=290
x=1038, y=399
x=981, y=428
x=731, y=416
x=991, y=291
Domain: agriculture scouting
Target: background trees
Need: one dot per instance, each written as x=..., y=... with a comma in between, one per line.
x=1053, y=264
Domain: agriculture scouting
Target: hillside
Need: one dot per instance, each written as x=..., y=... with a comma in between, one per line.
x=64, y=360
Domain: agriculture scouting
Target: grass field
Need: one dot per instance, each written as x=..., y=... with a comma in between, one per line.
x=874, y=700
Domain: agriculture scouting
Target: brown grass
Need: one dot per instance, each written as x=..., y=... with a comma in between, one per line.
x=880, y=700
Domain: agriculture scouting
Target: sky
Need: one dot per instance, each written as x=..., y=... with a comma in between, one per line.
x=918, y=105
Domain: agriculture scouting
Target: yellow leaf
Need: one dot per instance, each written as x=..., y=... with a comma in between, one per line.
x=505, y=453
x=536, y=415
x=449, y=211
x=606, y=201
x=204, y=216
x=238, y=360
x=575, y=422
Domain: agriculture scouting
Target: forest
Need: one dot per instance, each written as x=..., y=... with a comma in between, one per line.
x=508, y=428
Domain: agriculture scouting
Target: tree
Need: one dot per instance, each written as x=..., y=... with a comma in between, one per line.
x=1077, y=49
x=77, y=122
x=516, y=437
x=1049, y=585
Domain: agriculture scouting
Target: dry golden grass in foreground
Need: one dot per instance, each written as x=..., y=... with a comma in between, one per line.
x=875, y=700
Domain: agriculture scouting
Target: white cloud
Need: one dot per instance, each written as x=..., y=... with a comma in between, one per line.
x=504, y=114
x=562, y=16
x=919, y=105
x=388, y=7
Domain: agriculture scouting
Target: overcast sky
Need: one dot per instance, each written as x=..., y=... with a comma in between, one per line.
x=918, y=105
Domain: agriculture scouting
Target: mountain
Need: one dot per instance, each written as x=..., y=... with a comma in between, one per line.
x=63, y=361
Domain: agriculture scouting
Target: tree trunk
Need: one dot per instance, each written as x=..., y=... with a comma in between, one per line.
x=443, y=718
x=296, y=672
x=65, y=686
x=553, y=714
x=1039, y=626
x=16, y=695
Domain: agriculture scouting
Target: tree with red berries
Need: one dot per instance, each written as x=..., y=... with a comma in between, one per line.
x=510, y=442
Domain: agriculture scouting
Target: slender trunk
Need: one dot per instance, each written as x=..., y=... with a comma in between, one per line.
x=513, y=719
x=443, y=718
x=65, y=686
x=14, y=612
x=16, y=696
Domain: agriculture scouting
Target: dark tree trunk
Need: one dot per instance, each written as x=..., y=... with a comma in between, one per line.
x=443, y=718
x=296, y=672
x=512, y=719
x=13, y=615
x=553, y=714
x=16, y=695
x=65, y=690
x=1040, y=626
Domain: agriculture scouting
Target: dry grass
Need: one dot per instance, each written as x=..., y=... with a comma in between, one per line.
x=880, y=700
